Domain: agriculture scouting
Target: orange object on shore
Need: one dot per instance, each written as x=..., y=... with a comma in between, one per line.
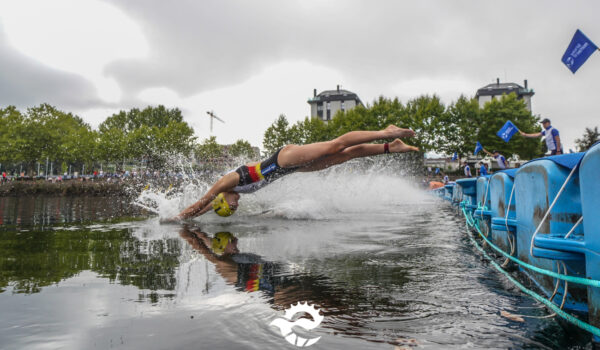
x=435, y=184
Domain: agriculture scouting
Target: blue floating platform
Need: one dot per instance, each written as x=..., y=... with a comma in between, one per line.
x=546, y=214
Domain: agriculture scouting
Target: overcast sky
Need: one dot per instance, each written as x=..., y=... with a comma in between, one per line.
x=251, y=61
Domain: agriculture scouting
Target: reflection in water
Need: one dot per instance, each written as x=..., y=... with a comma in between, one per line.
x=249, y=272
x=31, y=260
x=41, y=211
x=380, y=278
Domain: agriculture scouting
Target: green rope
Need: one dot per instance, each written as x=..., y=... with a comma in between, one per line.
x=577, y=322
x=574, y=279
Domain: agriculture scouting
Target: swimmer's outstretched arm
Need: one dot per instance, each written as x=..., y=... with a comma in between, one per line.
x=224, y=184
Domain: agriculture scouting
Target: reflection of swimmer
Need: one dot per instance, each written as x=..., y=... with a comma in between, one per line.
x=224, y=194
x=342, y=303
x=248, y=272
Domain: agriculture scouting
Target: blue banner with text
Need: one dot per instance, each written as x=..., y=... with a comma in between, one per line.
x=579, y=50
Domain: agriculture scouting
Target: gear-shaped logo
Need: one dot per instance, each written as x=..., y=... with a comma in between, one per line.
x=285, y=325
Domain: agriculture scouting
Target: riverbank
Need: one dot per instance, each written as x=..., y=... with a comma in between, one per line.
x=65, y=188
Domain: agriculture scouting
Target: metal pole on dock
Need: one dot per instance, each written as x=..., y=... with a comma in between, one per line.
x=46, y=168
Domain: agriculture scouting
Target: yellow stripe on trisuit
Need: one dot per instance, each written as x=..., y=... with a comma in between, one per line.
x=221, y=206
x=258, y=172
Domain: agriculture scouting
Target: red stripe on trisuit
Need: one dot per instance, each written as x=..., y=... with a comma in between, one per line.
x=253, y=175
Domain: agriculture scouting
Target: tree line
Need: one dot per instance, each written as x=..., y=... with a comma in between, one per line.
x=148, y=136
x=441, y=128
x=151, y=135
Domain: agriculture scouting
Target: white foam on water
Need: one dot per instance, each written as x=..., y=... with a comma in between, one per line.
x=326, y=195
x=345, y=189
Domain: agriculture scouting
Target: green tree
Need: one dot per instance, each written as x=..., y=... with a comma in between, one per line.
x=112, y=146
x=459, y=126
x=590, y=136
x=153, y=134
x=209, y=150
x=48, y=133
x=358, y=118
x=424, y=115
x=242, y=148
x=313, y=130
x=493, y=116
x=277, y=135
x=12, y=128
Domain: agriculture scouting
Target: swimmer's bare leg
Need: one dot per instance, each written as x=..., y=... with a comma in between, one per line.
x=358, y=151
x=298, y=155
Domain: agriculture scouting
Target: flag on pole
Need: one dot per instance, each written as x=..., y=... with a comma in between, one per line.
x=579, y=50
x=455, y=156
x=478, y=147
x=507, y=131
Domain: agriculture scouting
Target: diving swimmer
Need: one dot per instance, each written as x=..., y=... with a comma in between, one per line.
x=223, y=196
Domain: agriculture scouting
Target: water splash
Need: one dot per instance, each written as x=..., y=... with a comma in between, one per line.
x=368, y=185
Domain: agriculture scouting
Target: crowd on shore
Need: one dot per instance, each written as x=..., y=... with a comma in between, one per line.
x=120, y=176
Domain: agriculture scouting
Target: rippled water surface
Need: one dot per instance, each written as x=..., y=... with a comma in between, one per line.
x=400, y=274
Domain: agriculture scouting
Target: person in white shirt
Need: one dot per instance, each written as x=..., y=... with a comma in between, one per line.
x=467, y=170
x=551, y=135
x=502, y=163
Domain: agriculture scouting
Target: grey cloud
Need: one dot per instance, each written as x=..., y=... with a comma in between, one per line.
x=197, y=46
x=26, y=83
x=204, y=45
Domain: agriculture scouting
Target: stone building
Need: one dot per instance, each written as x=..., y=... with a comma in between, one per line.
x=491, y=91
x=326, y=104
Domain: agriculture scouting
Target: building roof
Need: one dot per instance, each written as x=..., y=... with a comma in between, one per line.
x=495, y=89
x=335, y=95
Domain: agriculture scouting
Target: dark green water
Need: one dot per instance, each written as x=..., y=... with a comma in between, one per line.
x=74, y=276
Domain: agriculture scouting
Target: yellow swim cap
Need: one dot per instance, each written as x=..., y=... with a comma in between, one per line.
x=221, y=206
x=220, y=241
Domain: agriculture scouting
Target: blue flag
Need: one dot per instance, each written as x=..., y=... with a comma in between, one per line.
x=478, y=147
x=507, y=131
x=579, y=50
x=455, y=156
x=437, y=170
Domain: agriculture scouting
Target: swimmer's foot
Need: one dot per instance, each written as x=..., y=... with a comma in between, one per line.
x=395, y=132
x=397, y=146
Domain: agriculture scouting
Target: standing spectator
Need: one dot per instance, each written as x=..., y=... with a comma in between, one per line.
x=551, y=135
x=502, y=163
x=467, y=169
x=482, y=170
x=446, y=179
